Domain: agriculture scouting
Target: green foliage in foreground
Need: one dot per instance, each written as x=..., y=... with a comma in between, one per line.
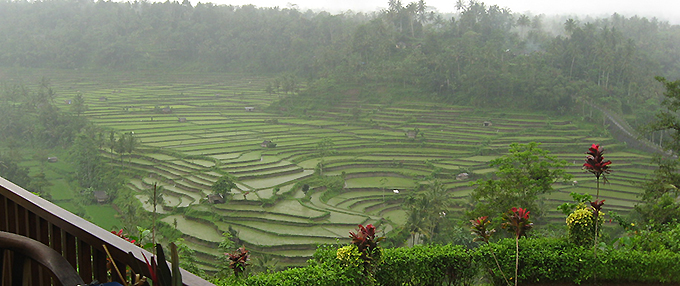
x=421, y=265
x=542, y=260
x=546, y=260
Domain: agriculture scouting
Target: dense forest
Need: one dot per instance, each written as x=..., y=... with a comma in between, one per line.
x=482, y=56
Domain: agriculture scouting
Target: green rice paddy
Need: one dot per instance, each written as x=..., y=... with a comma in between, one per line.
x=374, y=153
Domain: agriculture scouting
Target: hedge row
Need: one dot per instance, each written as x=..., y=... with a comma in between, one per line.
x=542, y=261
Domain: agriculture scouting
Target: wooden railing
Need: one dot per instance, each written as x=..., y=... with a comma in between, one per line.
x=79, y=241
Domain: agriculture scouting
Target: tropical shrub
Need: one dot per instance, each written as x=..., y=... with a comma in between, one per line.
x=333, y=266
x=518, y=223
x=581, y=226
x=366, y=244
x=650, y=240
x=551, y=260
x=238, y=261
x=427, y=265
x=483, y=234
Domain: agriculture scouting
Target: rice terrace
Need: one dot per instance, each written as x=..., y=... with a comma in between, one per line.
x=213, y=124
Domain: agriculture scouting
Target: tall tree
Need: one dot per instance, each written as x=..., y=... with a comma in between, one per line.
x=78, y=104
x=84, y=153
x=10, y=170
x=668, y=119
x=155, y=199
x=425, y=211
x=223, y=186
x=525, y=173
x=659, y=205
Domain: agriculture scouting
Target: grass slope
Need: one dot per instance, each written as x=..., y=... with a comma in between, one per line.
x=372, y=151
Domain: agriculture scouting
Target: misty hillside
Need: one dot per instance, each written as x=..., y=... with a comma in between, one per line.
x=483, y=56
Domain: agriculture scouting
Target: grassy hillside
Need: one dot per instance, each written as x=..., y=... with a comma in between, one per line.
x=371, y=152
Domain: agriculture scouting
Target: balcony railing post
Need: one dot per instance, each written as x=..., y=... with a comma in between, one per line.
x=84, y=261
x=70, y=249
x=22, y=220
x=78, y=240
x=3, y=213
x=32, y=225
x=99, y=265
x=55, y=238
x=11, y=216
x=43, y=236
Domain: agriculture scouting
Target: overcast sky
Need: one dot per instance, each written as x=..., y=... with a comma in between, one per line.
x=663, y=9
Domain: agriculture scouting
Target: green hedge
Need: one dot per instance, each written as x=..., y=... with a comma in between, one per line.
x=421, y=265
x=426, y=265
x=542, y=260
x=545, y=260
x=317, y=274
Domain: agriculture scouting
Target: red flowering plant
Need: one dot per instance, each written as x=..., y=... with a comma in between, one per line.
x=597, y=206
x=126, y=237
x=482, y=233
x=161, y=274
x=518, y=223
x=367, y=245
x=238, y=261
x=596, y=164
x=479, y=229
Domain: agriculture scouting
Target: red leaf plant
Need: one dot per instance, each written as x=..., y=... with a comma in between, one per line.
x=364, y=238
x=153, y=269
x=519, y=223
x=479, y=229
x=367, y=244
x=239, y=260
x=595, y=162
x=597, y=206
x=125, y=236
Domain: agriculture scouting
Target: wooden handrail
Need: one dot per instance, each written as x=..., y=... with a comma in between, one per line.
x=78, y=240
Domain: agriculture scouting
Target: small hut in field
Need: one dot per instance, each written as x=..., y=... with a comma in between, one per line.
x=462, y=176
x=101, y=196
x=216, y=199
x=411, y=134
x=267, y=144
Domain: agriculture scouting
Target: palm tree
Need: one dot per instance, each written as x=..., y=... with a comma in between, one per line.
x=420, y=9
x=130, y=144
x=155, y=198
x=112, y=141
x=411, y=10
x=266, y=263
x=570, y=25
x=425, y=211
x=460, y=5
x=523, y=22
x=416, y=218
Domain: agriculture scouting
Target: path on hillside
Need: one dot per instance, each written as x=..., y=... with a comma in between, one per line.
x=622, y=125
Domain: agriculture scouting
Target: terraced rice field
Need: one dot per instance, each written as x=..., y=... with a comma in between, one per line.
x=373, y=153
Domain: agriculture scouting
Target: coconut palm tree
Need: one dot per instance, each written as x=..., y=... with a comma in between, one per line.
x=155, y=198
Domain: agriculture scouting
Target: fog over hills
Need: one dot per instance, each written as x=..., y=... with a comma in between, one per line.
x=666, y=10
